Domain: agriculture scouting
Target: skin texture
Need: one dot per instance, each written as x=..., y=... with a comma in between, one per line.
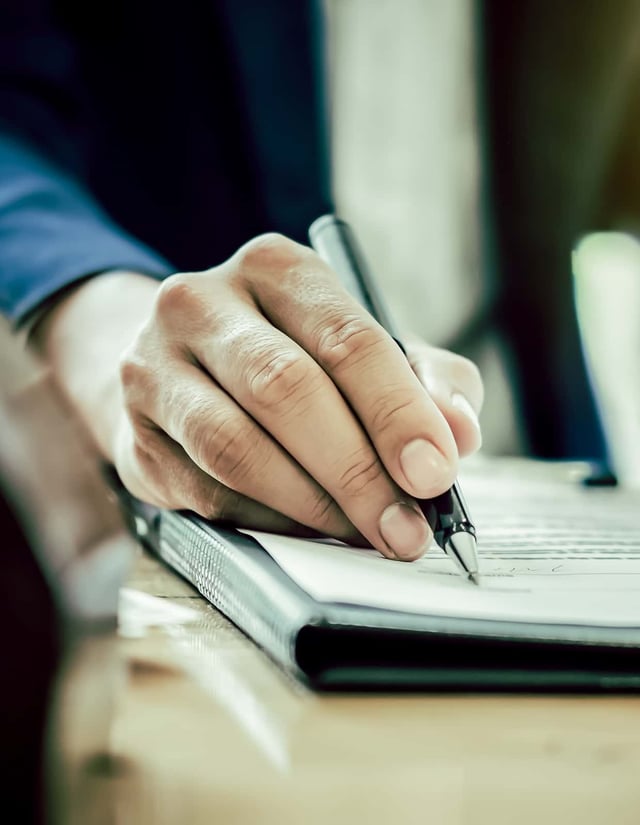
x=260, y=393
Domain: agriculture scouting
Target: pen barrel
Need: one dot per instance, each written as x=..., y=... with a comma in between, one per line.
x=336, y=244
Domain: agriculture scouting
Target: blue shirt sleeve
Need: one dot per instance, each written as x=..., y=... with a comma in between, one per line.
x=52, y=233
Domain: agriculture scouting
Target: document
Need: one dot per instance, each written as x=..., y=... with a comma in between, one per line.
x=551, y=551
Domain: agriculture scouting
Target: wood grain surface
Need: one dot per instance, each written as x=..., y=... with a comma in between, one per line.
x=180, y=719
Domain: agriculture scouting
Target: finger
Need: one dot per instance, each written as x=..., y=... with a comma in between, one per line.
x=455, y=384
x=147, y=453
x=408, y=431
x=293, y=399
x=227, y=446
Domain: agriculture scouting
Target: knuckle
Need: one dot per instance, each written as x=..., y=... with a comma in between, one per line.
x=136, y=376
x=271, y=251
x=131, y=370
x=346, y=339
x=189, y=420
x=177, y=295
x=142, y=450
x=322, y=509
x=222, y=445
x=218, y=504
x=145, y=438
x=362, y=472
x=144, y=466
x=188, y=307
x=280, y=379
x=392, y=406
x=139, y=382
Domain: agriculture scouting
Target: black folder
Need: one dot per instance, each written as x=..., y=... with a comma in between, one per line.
x=334, y=646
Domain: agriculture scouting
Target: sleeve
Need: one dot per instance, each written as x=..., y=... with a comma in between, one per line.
x=52, y=232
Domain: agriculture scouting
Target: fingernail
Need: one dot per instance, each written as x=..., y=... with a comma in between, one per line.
x=424, y=467
x=404, y=530
x=460, y=402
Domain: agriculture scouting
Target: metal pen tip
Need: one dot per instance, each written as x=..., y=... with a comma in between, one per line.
x=461, y=547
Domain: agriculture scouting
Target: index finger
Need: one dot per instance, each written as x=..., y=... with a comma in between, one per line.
x=307, y=302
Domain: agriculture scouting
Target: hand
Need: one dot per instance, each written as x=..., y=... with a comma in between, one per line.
x=261, y=393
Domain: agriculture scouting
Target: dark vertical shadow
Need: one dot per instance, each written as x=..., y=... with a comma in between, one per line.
x=556, y=80
x=30, y=652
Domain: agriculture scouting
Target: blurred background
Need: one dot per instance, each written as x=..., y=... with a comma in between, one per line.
x=406, y=171
x=447, y=117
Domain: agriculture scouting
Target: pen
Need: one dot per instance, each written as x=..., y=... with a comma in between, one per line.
x=446, y=514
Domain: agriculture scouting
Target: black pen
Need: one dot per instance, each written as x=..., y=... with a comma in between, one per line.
x=447, y=514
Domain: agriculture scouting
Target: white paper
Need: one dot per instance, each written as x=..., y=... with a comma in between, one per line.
x=550, y=551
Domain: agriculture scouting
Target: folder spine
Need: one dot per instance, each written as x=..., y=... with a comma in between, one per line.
x=237, y=583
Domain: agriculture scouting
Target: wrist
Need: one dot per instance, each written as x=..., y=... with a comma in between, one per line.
x=81, y=338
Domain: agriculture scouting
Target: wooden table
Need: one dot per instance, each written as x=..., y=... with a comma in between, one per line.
x=179, y=719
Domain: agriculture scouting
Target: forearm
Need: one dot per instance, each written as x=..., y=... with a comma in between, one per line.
x=82, y=338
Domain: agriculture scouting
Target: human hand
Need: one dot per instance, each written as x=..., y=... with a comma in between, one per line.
x=259, y=392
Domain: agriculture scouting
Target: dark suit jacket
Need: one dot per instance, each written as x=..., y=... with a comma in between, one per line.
x=196, y=125
x=193, y=125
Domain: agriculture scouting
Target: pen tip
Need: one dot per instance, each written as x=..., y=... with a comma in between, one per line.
x=461, y=547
